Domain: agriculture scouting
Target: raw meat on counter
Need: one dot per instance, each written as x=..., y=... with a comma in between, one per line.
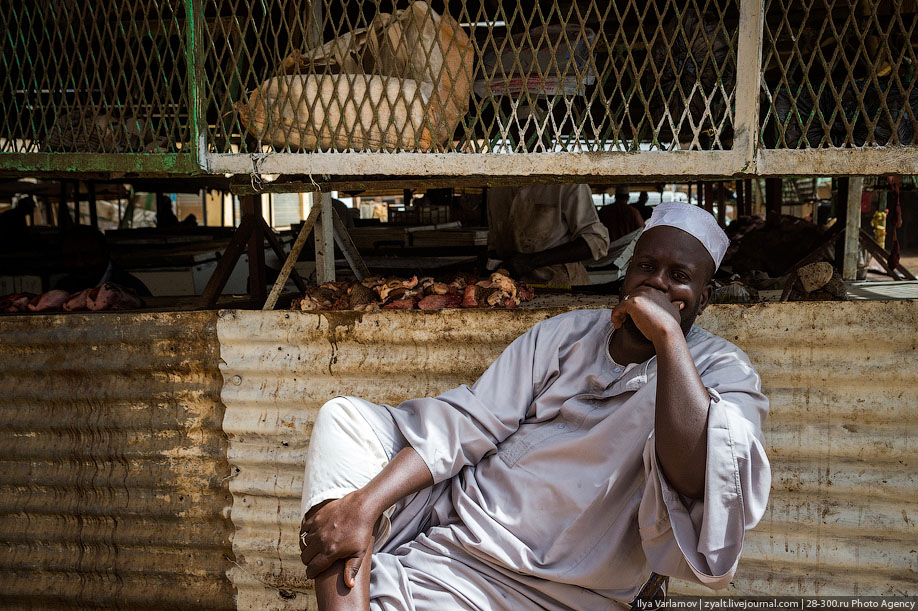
x=16, y=302
x=107, y=297
x=49, y=301
x=374, y=293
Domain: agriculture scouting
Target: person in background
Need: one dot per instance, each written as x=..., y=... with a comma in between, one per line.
x=89, y=262
x=619, y=218
x=543, y=233
x=165, y=217
x=14, y=227
x=642, y=206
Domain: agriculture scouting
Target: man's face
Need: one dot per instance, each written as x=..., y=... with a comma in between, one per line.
x=674, y=262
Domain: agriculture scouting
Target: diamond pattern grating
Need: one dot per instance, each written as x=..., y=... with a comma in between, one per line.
x=531, y=77
x=465, y=76
x=839, y=74
x=93, y=77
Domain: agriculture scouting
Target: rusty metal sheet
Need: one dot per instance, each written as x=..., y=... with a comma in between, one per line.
x=842, y=379
x=112, y=463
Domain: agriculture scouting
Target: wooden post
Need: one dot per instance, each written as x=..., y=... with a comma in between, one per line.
x=250, y=205
x=740, y=200
x=289, y=264
x=747, y=192
x=841, y=218
x=325, y=242
x=852, y=227
x=721, y=205
x=76, y=203
x=773, y=199
x=93, y=211
x=709, y=197
x=63, y=211
x=700, y=191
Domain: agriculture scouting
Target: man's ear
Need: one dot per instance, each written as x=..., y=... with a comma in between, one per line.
x=706, y=293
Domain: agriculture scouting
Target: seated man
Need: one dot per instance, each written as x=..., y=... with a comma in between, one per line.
x=600, y=447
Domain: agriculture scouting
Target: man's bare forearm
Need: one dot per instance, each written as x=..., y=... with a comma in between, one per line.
x=405, y=474
x=680, y=421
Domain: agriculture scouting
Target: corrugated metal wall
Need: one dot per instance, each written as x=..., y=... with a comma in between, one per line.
x=842, y=378
x=112, y=463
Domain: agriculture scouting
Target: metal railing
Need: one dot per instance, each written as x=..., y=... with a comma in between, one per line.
x=464, y=88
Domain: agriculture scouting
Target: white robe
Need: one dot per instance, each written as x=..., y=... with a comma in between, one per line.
x=547, y=489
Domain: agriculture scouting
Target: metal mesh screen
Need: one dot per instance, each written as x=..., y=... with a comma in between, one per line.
x=371, y=75
x=93, y=77
x=839, y=74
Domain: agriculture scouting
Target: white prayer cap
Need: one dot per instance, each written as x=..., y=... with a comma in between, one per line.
x=695, y=221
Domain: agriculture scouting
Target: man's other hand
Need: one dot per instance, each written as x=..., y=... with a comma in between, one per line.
x=341, y=529
x=518, y=264
x=651, y=311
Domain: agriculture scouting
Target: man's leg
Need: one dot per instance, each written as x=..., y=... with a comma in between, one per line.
x=332, y=594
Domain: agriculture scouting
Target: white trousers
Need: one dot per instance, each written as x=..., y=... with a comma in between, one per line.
x=344, y=455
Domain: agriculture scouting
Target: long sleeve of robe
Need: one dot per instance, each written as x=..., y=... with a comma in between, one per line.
x=553, y=493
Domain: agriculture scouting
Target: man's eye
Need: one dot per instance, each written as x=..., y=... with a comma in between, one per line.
x=646, y=267
x=679, y=276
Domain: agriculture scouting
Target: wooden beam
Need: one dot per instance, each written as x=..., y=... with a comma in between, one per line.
x=882, y=256
x=292, y=258
x=278, y=249
x=852, y=228
x=227, y=263
x=325, y=242
x=740, y=199
x=346, y=244
x=773, y=199
x=93, y=210
x=709, y=197
x=251, y=206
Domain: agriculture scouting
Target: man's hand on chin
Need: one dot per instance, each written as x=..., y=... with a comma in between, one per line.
x=654, y=316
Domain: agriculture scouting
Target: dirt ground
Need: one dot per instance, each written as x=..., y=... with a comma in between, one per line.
x=910, y=260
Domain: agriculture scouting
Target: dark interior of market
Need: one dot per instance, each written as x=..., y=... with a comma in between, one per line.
x=170, y=236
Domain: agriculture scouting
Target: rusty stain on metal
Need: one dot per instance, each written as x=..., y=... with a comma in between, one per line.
x=114, y=463
x=841, y=378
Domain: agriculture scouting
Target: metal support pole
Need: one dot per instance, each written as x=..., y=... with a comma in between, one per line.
x=325, y=242
x=721, y=205
x=709, y=197
x=852, y=227
x=93, y=210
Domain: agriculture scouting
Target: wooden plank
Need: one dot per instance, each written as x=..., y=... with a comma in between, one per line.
x=292, y=258
x=227, y=263
x=344, y=242
x=93, y=209
x=748, y=76
x=251, y=206
x=278, y=249
x=773, y=199
x=882, y=256
x=325, y=242
x=852, y=228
